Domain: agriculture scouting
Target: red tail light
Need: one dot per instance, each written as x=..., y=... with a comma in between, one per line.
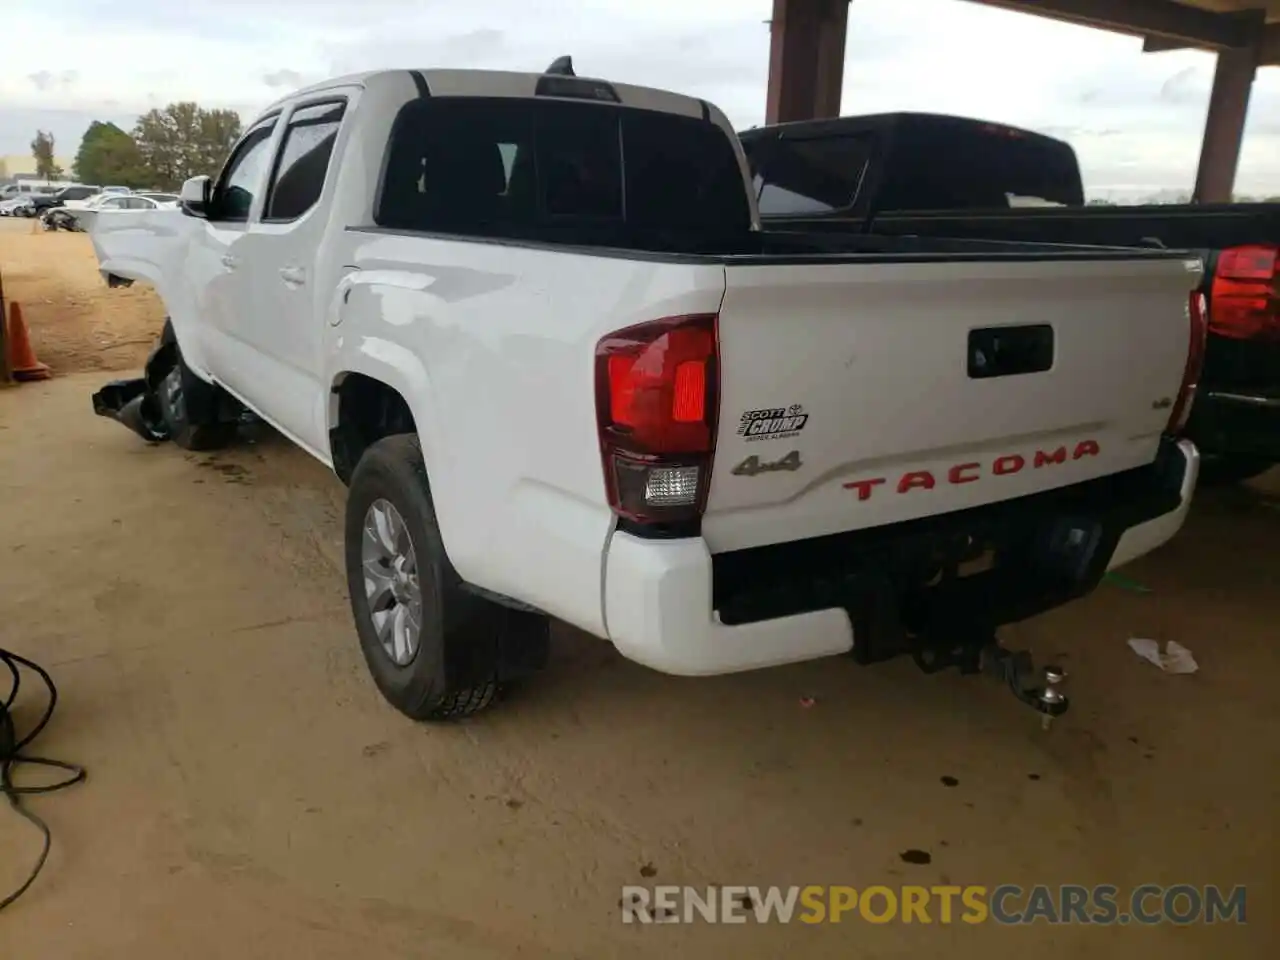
x=657, y=397
x=1245, y=296
x=1198, y=323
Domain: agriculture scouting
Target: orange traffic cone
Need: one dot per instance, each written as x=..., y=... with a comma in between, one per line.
x=23, y=365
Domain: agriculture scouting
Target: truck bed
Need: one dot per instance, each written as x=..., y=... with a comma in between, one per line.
x=1191, y=227
x=809, y=243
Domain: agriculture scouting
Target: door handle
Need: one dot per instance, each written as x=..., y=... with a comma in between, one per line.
x=293, y=276
x=230, y=262
x=1009, y=351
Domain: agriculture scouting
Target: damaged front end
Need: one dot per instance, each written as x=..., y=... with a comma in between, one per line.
x=169, y=402
x=136, y=403
x=132, y=403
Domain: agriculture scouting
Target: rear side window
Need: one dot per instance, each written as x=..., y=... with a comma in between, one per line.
x=303, y=162
x=562, y=171
x=807, y=177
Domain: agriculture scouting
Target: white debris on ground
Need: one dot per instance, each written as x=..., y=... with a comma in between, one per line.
x=1175, y=659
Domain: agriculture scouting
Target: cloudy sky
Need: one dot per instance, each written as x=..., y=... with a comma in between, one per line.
x=1135, y=119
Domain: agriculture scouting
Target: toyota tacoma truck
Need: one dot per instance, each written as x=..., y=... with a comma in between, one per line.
x=530, y=321
x=879, y=174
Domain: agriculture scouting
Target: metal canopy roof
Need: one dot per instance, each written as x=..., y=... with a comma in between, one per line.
x=1171, y=24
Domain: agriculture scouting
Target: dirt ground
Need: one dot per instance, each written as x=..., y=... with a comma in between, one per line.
x=250, y=795
x=76, y=323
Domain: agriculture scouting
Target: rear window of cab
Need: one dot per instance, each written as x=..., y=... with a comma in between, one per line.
x=560, y=170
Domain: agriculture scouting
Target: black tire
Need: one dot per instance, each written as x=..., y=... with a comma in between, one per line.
x=1217, y=470
x=171, y=398
x=455, y=671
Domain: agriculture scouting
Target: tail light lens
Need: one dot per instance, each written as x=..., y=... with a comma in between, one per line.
x=657, y=398
x=1199, y=326
x=1245, y=298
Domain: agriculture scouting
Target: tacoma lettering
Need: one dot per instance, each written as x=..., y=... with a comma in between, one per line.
x=1003, y=466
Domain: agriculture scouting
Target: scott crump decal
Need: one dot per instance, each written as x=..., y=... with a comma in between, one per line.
x=773, y=423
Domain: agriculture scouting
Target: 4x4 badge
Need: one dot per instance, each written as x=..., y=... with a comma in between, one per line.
x=752, y=466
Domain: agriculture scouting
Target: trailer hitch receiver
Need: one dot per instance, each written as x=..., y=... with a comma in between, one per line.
x=976, y=650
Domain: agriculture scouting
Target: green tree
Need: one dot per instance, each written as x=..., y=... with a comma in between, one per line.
x=184, y=140
x=108, y=155
x=42, y=148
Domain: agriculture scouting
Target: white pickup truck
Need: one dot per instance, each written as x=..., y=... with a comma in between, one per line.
x=531, y=321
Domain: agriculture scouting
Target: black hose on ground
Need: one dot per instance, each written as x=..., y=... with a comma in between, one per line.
x=12, y=757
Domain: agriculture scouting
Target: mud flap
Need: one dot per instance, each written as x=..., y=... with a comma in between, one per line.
x=131, y=403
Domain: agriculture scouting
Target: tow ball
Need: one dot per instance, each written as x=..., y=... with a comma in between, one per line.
x=1016, y=669
x=974, y=652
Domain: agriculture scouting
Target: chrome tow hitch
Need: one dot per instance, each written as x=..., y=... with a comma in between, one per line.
x=978, y=651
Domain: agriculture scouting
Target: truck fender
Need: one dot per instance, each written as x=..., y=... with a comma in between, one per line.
x=400, y=369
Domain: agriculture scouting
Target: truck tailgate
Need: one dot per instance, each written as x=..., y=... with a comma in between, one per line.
x=860, y=394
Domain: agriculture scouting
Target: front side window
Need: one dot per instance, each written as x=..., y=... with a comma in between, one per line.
x=304, y=160
x=244, y=174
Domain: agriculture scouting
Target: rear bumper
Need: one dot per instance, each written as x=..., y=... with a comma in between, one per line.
x=1141, y=538
x=1241, y=422
x=672, y=606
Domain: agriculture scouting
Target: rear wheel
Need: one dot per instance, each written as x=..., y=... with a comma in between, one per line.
x=1222, y=469
x=432, y=646
x=171, y=395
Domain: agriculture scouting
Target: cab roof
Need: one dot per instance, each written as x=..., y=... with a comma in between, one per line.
x=503, y=83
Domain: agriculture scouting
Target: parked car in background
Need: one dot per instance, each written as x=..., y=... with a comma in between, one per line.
x=16, y=206
x=881, y=174
x=64, y=218
x=564, y=374
x=28, y=187
x=73, y=196
x=84, y=219
x=20, y=203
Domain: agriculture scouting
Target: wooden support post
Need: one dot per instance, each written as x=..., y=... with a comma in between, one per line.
x=806, y=59
x=1224, y=125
